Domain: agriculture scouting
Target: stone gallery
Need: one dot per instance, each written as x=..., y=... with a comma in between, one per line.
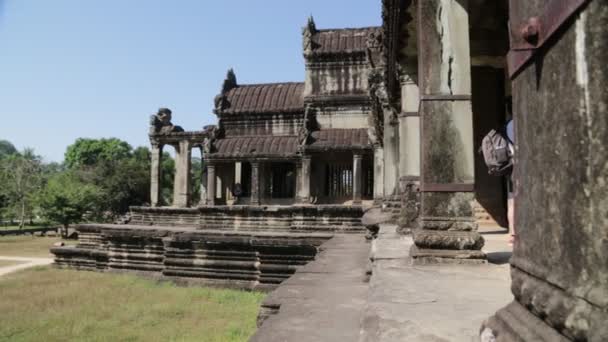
x=392, y=117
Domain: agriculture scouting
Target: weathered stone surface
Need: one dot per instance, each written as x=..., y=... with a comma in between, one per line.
x=447, y=240
x=560, y=263
x=322, y=301
x=249, y=260
x=297, y=218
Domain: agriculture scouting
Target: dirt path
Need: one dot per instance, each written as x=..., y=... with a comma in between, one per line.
x=25, y=263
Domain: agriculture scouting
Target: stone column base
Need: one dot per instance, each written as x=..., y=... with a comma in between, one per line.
x=515, y=323
x=421, y=256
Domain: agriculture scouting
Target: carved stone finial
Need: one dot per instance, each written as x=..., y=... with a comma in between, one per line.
x=161, y=122
x=229, y=82
x=307, y=32
x=220, y=101
x=310, y=25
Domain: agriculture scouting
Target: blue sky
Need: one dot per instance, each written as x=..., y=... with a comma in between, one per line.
x=100, y=68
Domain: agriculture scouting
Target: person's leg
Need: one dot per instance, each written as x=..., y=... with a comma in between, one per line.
x=511, y=218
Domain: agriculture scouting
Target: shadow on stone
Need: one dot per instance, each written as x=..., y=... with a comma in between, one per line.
x=499, y=258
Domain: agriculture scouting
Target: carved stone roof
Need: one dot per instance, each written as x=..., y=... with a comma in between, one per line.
x=340, y=41
x=256, y=146
x=342, y=139
x=265, y=98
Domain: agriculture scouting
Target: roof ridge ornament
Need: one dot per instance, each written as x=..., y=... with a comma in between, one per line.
x=221, y=101
x=308, y=32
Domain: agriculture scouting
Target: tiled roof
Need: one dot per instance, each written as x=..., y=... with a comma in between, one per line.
x=341, y=40
x=251, y=146
x=265, y=98
x=356, y=138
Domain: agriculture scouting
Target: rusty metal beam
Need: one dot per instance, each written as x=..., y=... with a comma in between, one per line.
x=531, y=35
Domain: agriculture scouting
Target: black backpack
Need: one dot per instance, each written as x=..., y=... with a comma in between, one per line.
x=496, y=150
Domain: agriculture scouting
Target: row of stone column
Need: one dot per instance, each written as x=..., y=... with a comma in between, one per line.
x=182, y=182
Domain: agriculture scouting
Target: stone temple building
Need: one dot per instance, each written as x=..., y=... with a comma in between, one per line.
x=392, y=117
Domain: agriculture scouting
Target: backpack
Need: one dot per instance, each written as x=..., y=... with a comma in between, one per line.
x=497, y=153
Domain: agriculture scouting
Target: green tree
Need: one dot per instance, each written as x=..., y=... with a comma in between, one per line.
x=6, y=149
x=66, y=199
x=90, y=152
x=21, y=175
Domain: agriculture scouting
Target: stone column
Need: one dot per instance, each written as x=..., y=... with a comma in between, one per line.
x=391, y=154
x=203, y=175
x=156, y=174
x=409, y=147
x=255, y=183
x=181, y=186
x=378, y=174
x=357, y=178
x=211, y=187
x=304, y=175
x=447, y=231
x=559, y=265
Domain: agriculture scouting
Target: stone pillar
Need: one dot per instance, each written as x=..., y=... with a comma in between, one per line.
x=304, y=175
x=391, y=154
x=156, y=155
x=211, y=186
x=409, y=130
x=447, y=232
x=409, y=147
x=255, y=183
x=203, y=175
x=357, y=178
x=378, y=174
x=559, y=267
x=238, y=173
x=181, y=186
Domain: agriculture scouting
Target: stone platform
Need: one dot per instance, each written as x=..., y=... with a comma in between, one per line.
x=235, y=259
x=324, y=300
x=296, y=218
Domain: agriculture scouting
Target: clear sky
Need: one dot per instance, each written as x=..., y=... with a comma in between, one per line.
x=100, y=68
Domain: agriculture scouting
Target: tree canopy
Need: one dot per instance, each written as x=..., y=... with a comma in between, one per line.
x=6, y=148
x=66, y=199
x=90, y=152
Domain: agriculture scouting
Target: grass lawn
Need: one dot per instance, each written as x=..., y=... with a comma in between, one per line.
x=46, y=304
x=4, y=263
x=28, y=246
x=27, y=226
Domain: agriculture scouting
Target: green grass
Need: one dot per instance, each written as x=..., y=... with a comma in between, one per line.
x=28, y=246
x=46, y=304
x=27, y=226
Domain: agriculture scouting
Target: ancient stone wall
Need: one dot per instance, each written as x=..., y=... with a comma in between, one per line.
x=322, y=218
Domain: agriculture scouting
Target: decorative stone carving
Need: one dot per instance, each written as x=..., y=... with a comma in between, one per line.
x=160, y=123
x=307, y=33
x=307, y=126
x=211, y=134
x=375, y=49
x=221, y=102
x=410, y=207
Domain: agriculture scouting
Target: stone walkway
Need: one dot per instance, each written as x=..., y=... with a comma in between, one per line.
x=24, y=263
x=432, y=303
x=330, y=300
x=323, y=301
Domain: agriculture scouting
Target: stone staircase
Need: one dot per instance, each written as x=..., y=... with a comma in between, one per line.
x=482, y=217
x=392, y=205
